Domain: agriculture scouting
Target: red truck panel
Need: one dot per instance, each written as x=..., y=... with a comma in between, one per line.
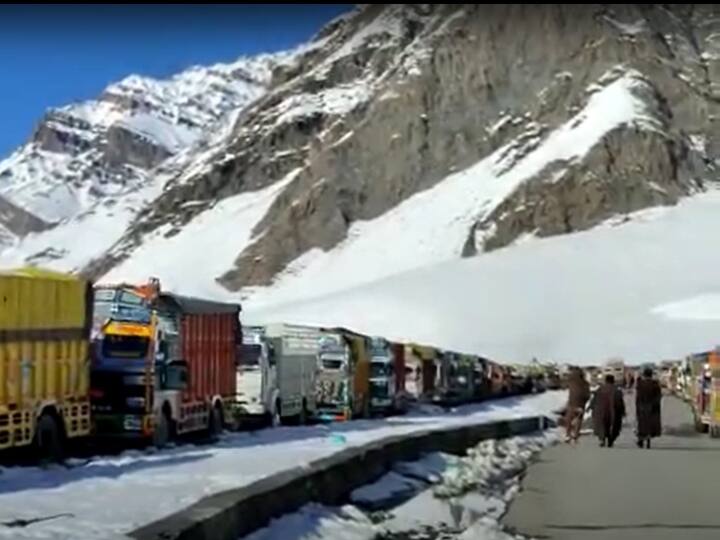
x=398, y=350
x=208, y=345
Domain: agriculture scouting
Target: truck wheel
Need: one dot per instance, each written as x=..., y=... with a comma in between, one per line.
x=215, y=423
x=49, y=439
x=161, y=435
x=699, y=426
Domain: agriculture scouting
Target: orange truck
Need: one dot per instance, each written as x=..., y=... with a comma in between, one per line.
x=44, y=362
x=163, y=364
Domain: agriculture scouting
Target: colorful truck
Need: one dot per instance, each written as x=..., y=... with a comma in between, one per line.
x=382, y=376
x=163, y=365
x=343, y=384
x=701, y=390
x=44, y=363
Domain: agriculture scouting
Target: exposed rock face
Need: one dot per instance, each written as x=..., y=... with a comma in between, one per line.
x=423, y=124
x=86, y=154
x=127, y=147
x=16, y=220
x=391, y=99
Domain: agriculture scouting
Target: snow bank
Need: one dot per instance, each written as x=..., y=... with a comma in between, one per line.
x=648, y=292
x=391, y=487
x=111, y=496
x=316, y=522
x=468, y=503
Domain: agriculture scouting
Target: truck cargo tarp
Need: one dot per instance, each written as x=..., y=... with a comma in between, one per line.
x=197, y=306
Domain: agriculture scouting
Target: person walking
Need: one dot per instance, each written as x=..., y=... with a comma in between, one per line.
x=578, y=396
x=648, y=399
x=608, y=412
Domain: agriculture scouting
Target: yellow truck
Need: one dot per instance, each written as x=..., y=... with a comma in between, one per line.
x=45, y=320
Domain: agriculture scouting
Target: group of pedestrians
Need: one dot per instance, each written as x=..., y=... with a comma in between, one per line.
x=607, y=404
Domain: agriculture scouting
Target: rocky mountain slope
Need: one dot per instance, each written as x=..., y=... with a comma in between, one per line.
x=401, y=135
x=91, y=155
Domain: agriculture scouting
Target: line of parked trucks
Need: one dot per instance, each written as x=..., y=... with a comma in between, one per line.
x=137, y=362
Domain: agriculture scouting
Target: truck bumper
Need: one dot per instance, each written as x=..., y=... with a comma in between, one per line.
x=124, y=426
x=381, y=403
x=332, y=415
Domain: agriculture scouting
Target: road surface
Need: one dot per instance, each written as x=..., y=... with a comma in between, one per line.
x=590, y=493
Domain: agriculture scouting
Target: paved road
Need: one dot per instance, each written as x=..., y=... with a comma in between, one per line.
x=670, y=492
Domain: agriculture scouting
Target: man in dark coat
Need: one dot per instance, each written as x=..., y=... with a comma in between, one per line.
x=648, y=397
x=578, y=396
x=608, y=412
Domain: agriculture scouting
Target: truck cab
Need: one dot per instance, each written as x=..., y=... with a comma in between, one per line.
x=333, y=387
x=162, y=364
x=382, y=376
x=256, y=375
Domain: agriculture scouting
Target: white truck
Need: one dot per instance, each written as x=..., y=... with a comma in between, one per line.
x=277, y=372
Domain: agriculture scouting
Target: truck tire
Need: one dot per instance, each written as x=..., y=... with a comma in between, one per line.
x=162, y=433
x=215, y=423
x=49, y=439
x=699, y=426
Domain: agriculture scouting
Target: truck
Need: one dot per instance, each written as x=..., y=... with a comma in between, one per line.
x=616, y=368
x=343, y=385
x=278, y=382
x=423, y=361
x=163, y=365
x=44, y=360
x=382, y=376
x=255, y=378
x=700, y=377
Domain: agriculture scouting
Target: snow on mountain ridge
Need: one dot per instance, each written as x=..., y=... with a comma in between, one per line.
x=80, y=157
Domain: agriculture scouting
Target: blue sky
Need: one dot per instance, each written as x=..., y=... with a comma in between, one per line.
x=53, y=55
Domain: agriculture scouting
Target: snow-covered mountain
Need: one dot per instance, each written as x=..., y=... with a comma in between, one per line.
x=402, y=137
x=109, y=156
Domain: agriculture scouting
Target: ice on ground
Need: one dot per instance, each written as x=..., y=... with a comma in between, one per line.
x=478, y=487
x=470, y=510
x=114, y=495
x=389, y=489
x=429, y=468
x=315, y=522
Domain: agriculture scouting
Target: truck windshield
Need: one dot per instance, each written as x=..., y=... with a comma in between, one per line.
x=380, y=369
x=250, y=355
x=130, y=347
x=331, y=362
